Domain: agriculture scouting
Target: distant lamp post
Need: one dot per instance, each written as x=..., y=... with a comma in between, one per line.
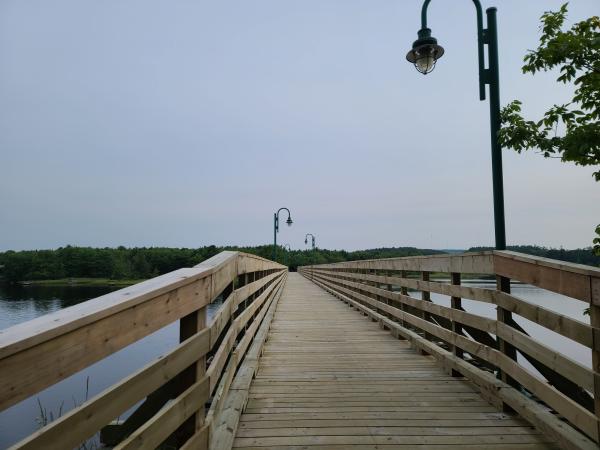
x=276, y=228
x=313, y=239
x=287, y=254
x=424, y=54
x=313, y=247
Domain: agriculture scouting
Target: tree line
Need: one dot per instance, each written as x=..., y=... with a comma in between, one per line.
x=585, y=256
x=146, y=262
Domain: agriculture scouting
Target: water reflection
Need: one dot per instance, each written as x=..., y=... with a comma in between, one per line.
x=21, y=303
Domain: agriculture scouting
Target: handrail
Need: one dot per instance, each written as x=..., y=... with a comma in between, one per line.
x=41, y=352
x=472, y=345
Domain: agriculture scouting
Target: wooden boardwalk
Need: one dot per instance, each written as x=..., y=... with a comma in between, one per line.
x=330, y=378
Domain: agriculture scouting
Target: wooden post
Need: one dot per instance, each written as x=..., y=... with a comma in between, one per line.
x=379, y=298
x=595, y=323
x=505, y=316
x=403, y=291
x=188, y=326
x=456, y=303
x=390, y=288
x=365, y=272
x=426, y=296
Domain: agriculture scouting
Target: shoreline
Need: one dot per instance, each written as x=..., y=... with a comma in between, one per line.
x=79, y=282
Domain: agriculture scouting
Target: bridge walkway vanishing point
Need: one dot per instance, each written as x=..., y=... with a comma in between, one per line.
x=329, y=377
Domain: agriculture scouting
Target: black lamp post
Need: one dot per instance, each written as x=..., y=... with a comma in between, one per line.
x=287, y=254
x=313, y=249
x=276, y=228
x=313, y=239
x=425, y=53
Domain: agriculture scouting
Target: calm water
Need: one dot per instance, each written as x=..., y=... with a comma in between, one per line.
x=19, y=304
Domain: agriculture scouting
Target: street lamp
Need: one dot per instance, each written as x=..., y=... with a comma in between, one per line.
x=313, y=239
x=276, y=228
x=425, y=53
x=313, y=248
x=287, y=254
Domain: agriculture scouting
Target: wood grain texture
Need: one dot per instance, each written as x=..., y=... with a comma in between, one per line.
x=573, y=329
x=492, y=389
x=45, y=351
x=329, y=378
x=572, y=411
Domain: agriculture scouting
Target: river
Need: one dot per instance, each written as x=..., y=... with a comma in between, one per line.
x=22, y=303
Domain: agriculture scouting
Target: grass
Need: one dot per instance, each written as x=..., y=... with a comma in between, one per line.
x=46, y=417
x=80, y=282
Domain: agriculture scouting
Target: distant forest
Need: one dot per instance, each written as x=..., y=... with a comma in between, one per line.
x=140, y=263
x=579, y=256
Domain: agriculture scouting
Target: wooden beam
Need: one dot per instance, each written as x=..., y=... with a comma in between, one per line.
x=565, y=279
x=81, y=423
x=456, y=303
x=152, y=433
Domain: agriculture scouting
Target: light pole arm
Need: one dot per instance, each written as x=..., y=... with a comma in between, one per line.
x=277, y=217
x=491, y=77
x=424, y=13
x=282, y=209
x=312, y=238
x=480, y=41
x=276, y=228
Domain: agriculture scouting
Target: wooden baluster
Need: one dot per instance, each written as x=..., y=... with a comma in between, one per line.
x=361, y=271
x=379, y=298
x=456, y=303
x=426, y=296
x=595, y=323
x=246, y=281
x=390, y=288
x=403, y=291
x=188, y=326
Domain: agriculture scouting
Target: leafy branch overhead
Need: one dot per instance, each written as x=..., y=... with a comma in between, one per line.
x=570, y=131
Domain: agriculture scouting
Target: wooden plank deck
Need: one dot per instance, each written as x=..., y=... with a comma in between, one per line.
x=329, y=378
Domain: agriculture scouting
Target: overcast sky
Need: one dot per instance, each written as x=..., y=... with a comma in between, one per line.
x=187, y=123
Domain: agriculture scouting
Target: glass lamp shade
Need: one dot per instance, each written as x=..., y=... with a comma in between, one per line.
x=425, y=63
x=425, y=52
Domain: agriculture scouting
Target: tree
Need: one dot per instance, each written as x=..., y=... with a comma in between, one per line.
x=570, y=131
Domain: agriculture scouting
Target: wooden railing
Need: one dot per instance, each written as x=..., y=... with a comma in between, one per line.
x=175, y=388
x=562, y=399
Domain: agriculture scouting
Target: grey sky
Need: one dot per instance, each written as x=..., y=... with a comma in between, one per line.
x=187, y=123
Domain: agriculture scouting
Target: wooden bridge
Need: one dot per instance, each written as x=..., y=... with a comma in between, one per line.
x=347, y=355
